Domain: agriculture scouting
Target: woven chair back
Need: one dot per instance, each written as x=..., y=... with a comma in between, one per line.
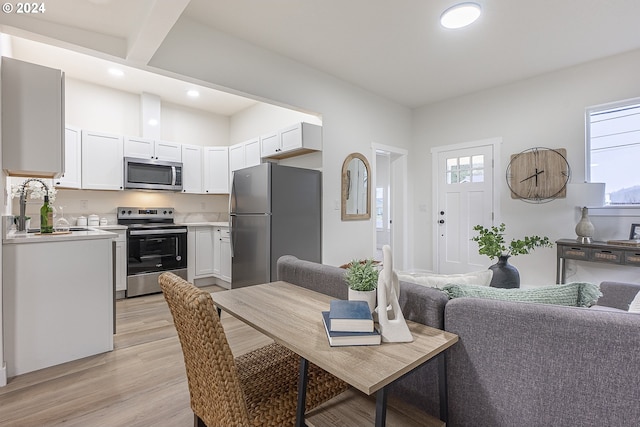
x=216, y=395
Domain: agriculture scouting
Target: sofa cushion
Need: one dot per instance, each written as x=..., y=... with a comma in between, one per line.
x=634, y=307
x=571, y=294
x=433, y=280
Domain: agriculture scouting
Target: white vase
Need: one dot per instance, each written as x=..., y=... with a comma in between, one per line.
x=368, y=296
x=584, y=228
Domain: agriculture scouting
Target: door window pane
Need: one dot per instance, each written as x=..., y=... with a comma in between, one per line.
x=466, y=169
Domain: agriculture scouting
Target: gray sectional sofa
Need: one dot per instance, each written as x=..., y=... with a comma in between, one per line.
x=516, y=364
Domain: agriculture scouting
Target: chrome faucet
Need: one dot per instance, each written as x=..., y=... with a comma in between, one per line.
x=23, y=201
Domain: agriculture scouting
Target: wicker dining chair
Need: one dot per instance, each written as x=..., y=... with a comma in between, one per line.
x=258, y=388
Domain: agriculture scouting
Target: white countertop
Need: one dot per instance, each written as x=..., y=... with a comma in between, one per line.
x=16, y=237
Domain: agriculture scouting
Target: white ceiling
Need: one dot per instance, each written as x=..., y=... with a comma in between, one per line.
x=393, y=48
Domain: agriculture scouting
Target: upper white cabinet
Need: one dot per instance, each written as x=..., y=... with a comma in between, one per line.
x=191, y=169
x=102, y=161
x=143, y=148
x=300, y=138
x=32, y=119
x=72, y=159
x=216, y=170
x=244, y=154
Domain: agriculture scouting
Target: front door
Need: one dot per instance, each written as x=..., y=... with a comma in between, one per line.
x=465, y=198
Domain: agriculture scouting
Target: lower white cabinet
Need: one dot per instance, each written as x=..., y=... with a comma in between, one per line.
x=225, y=254
x=209, y=255
x=121, y=260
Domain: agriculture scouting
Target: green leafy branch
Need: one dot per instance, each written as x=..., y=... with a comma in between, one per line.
x=491, y=242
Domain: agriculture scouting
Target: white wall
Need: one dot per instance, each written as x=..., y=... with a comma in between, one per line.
x=263, y=118
x=352, y=119
x=548, y=111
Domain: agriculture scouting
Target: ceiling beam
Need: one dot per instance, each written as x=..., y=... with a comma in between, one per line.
x=162, y=15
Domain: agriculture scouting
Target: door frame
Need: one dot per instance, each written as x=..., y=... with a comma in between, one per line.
x=496, y=142
x=398, y=234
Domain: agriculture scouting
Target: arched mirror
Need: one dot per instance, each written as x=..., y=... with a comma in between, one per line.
x=356, y=194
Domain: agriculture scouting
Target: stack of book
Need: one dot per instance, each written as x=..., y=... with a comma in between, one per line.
x=350, y=323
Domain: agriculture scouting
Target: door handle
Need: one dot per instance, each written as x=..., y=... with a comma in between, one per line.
x=441, y=221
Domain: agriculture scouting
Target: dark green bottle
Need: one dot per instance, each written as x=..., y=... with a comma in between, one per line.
x=46, y=217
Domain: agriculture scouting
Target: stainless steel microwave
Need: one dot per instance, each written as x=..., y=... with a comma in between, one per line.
x=152, y=174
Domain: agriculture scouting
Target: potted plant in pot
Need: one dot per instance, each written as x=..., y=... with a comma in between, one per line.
x=362, y=278
x=491, y=243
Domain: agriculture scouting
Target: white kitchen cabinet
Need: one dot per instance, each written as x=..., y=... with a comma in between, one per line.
x=60, y=308
x=121, y=260
x=72, y=160
x=204, y=251
x=32, y=119
x=192, y=169
x=102, y=161
x=217, y=240
x=144, y=148
x=294, y=140
x=244, y=154
x=222, y=254
x=270, y=144
x=225, y=255
x=216, y=170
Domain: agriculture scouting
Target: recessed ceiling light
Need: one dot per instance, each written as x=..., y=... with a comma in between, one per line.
x=193, y=93
x=460, y=15
x=116, y=72
x=153, y=122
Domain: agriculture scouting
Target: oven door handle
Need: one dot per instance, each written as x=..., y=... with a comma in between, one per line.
x=161, y=231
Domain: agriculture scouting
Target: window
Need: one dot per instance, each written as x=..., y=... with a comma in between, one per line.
x=465, y=169
x=613, y=150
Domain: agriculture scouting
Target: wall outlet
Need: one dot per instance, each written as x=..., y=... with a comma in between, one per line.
x=336, y=205
x=84, y=205
x=203, y=206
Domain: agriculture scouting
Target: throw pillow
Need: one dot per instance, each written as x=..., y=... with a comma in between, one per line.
x=433, y=280
x=634, y=307
x=571, y=294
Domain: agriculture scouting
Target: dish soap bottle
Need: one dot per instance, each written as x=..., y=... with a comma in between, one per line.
x=46, y=217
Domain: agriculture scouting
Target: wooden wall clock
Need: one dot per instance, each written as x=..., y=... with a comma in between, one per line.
x=538, y=174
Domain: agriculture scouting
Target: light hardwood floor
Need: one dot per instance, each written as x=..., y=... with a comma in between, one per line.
x=143, y=383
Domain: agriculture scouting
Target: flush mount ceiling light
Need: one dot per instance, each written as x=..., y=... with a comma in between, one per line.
x=460, y=15
x=193, y=93
x=116, y=72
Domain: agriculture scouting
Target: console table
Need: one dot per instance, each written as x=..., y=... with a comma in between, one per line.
x=601, y=252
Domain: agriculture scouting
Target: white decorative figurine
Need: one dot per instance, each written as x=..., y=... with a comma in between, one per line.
x=393, y=327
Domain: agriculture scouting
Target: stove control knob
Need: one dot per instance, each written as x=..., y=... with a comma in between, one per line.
x=170, y=212
x=165, y=212
x=123, y=212
x=129, y=212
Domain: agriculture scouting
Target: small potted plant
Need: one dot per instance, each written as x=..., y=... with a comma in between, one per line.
x=491, y=243
x=362, y=278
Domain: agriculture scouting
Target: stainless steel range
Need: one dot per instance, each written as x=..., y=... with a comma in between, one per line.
x=155, y=244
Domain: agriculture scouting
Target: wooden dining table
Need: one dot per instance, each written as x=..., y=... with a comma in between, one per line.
x=292, y=316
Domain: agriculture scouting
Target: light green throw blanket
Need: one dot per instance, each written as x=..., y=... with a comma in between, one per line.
x=571, y=294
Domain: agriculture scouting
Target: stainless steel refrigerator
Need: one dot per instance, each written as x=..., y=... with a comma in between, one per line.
x=274, y=210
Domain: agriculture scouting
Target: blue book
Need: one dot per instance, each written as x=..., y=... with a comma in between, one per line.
x=337, y=339
x=350, y=316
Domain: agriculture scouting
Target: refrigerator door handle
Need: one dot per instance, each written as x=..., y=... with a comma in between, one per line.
x=232, y=193
x=232, y=232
